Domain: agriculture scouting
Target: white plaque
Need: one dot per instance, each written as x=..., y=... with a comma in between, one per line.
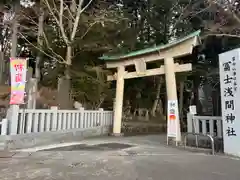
x=193, y=109
x=172, y=118
x=229, y=67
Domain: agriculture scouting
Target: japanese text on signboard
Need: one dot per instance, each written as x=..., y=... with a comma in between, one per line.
x=172, y=118
x=229, y=92
x=19, y=72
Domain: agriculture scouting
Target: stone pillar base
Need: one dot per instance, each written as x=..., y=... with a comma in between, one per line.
x=116, y=134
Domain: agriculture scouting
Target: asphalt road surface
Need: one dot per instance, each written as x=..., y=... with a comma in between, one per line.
x=123, y=158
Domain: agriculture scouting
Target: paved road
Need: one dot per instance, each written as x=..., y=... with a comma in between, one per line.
x=146, y=159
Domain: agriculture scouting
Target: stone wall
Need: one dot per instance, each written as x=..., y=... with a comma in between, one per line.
x=22, y=141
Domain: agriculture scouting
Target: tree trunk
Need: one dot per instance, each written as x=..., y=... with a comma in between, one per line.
x=64, y=96
x=40, y=42
x=68, y=62
x=33, y=82
x=2, y=67
x=14, y=39
x=64, y=84
x=195, y=100
x=13, y=108
x=14, y=33
x=155, y=103
x=181, y=101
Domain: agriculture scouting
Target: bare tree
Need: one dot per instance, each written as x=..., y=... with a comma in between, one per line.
x=227, y=18
x=70, y=22
x=218, y=17
x=73, y=11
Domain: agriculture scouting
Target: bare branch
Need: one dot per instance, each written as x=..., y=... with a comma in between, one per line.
x=89, y=28
x=79, y=11
x=174, y=6
x=48, y=46
x=229, y=9
x=84, y=8
x=69, y=12
x=45, y=38
x=29, y=18
x=76, y=20
x=60, y=21
x=52, y=57
x=33, y=29
x=55, y=7
x=180, y=17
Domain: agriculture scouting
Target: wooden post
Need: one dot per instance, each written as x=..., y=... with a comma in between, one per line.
x=12, y=116
x=100, y=120
x=82, y=122
x=172, y=89
x=2, y=65
x=4, y=127
x=14, y=109
x=117, y=123
x=54, y=118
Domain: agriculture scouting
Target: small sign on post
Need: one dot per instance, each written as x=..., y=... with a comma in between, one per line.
x=229, y=67
x=172, y=119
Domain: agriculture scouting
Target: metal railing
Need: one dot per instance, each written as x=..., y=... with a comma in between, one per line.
x=205, y=125
x=196, y=140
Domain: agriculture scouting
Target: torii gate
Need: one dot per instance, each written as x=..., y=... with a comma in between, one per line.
x=166, y=53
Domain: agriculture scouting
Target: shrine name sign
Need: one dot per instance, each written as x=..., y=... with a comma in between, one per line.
x=229, y=67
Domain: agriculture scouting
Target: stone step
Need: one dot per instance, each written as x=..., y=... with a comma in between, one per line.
x=135, y=128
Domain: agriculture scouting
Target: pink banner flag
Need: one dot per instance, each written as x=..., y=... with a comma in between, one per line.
x=18, y=69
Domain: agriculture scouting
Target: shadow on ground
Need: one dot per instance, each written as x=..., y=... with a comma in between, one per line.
x=98, y=147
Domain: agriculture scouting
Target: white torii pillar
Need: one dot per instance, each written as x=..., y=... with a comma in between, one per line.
x=171, y=88
x=117, y=123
